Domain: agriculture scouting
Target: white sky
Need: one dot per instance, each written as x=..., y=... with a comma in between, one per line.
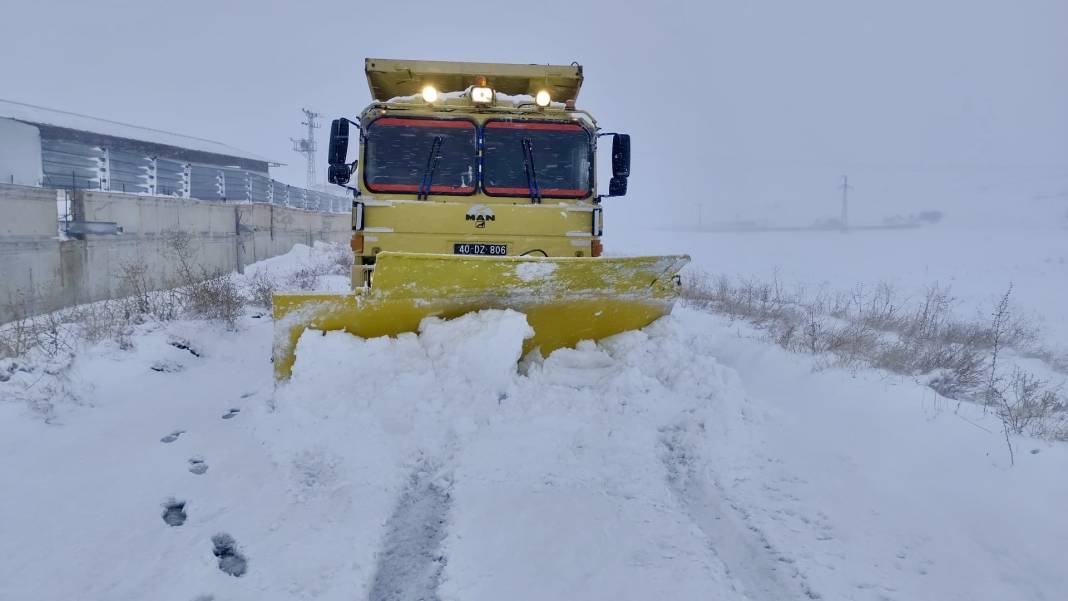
x=751, y=109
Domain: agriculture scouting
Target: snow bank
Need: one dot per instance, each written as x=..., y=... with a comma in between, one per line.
x=472, y=356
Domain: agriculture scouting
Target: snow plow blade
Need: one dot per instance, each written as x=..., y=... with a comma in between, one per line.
x=565, y=299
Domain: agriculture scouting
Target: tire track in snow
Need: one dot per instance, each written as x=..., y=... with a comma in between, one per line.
x=759, y=572
x=410, y=563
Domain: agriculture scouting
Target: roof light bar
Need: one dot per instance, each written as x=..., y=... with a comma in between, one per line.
x=481, y=95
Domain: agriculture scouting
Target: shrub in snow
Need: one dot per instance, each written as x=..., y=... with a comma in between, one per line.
x=956, y=357
x=260, y=289
x=336, y=260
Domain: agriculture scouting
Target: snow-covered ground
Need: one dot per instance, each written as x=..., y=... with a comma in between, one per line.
x=977, y=262
x=686, y=461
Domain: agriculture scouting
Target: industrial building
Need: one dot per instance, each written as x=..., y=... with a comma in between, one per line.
x=59, y=149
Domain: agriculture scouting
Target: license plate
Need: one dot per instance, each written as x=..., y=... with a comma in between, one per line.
x=470, y=248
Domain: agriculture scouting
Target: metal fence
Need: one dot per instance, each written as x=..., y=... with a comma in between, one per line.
x=71, y=164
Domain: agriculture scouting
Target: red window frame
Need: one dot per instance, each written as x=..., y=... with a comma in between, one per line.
x=414, y=188
x=524, y=191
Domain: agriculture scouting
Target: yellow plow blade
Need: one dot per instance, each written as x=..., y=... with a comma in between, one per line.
x=565, y=299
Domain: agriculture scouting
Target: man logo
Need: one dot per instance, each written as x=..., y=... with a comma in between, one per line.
x=480, y=214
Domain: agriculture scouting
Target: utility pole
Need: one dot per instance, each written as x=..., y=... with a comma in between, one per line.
x=845, y=202
x=306, y=146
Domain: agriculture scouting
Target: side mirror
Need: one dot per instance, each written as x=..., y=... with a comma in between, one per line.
x=617, y=186
x=339, y=172
x=620, y=156
x=339, y=141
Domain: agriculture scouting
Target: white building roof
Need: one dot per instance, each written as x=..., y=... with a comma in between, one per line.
x=44, y=116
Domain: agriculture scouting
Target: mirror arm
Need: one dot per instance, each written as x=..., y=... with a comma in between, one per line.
x=358, y=128
x=356, y=123
x=352, y=165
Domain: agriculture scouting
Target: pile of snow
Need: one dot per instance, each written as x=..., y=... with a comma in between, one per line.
x=320, y=261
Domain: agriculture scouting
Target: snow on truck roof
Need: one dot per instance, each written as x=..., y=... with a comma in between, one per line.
x=38, y=115
x=389, y=78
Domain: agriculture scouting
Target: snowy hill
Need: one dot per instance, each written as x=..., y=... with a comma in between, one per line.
x=686, y=461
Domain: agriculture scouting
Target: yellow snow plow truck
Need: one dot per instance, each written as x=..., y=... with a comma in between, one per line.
x=474, y=187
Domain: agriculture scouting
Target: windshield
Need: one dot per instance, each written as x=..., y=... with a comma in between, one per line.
x=417, y=155
x=560, y=152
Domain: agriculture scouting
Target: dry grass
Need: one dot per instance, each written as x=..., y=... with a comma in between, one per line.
x=338, y=262
x=261, y=288
x=193, y=292
x=57, y=334
x=923, y=338
x=203, y=293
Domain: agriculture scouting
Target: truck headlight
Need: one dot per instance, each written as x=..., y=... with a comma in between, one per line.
x=481, y=95
x=430, y=94
x=543, y=99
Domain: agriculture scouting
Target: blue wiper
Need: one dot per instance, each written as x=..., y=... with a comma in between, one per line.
x=532, y=173
x=431, y=165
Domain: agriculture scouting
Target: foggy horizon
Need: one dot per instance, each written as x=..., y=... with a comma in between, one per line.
x=753, y=113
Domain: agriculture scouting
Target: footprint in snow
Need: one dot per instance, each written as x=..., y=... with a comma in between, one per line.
x=167, y=367
x=173, y=436
x=197, y=466
x=184, y=346
x=231, y=414
x=174, y=512
x=231, y=560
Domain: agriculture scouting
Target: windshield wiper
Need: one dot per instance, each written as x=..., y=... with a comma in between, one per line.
x=532, y=173
x=431, y=165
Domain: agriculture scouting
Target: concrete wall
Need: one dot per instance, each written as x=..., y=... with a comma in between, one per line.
x=41, y=272
x=20, y=153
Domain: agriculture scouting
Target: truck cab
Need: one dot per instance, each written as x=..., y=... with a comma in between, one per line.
x=473, y=159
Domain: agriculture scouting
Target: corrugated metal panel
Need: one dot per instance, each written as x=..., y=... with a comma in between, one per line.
x=236, y=185
x=206, y=183
x=258, y=186
x=298, y=197
x=70, y=160
x=29, y=113
x=129, y=172
x=171, y=178
x=71, y=164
